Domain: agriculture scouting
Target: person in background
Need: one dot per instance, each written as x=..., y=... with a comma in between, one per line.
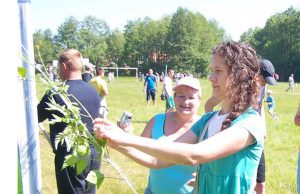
x=297, y=123
x=267, y=72
x=88, y=74
x=150, y=87
x=271, y=105
x=229, y=155
x=101, y=86
x=167, y=91
x=291, y=84
x=69, y=67
x=50, y=71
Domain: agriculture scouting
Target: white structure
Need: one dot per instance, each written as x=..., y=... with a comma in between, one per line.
x=126, y=68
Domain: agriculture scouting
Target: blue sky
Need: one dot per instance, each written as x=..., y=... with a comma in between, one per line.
x=235, y=16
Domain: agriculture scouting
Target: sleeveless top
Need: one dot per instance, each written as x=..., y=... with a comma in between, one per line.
x=173, y=179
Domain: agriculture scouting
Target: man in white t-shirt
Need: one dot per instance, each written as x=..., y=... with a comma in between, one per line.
x=291, y=83
x=167, y=91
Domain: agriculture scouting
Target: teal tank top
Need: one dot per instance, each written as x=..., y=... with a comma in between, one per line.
x=173, y=179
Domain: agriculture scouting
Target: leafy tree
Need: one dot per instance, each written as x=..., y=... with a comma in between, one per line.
x=92, y=39
x=191, y=38
x=133, y=44
x=248, y=36
x=279, y=41
x=182, y=41
x=67, y=34
x=94, y=25
x=115, y=46
x=43, y=40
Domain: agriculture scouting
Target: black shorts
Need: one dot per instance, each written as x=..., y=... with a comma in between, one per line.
x=150, y=92
x=261, y=170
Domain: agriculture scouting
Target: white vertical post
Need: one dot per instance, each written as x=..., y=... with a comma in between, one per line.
x=28, y=145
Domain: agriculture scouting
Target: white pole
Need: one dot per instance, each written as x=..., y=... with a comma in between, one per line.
x=29, y=150
x=117, y=72
x=166, y=71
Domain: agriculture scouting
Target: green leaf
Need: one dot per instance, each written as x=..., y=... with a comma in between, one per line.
x=100, y=145
x=56, y=119
x=22, y=71
x=81, y=165
x=68, y=144
x=102, y=142
x=52, y=106
x=70, y=160
x=82, y=150
x=95, y=177
x=59, y=138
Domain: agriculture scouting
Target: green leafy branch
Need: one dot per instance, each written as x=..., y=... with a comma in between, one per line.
x=76, y=135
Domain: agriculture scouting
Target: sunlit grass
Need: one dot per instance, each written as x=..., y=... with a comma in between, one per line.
x=126, y=94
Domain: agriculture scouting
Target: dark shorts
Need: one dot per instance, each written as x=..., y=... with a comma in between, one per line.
x=261, y=170
x=150, y=92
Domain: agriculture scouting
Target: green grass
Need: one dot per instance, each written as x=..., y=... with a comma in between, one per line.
x=281, y=147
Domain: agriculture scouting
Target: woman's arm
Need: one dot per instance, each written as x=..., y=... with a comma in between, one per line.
x=141, y=157
x=211, y=103
x=222, y=144
x=297, y=116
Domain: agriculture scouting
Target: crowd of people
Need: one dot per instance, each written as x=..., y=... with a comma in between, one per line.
x=185, y=153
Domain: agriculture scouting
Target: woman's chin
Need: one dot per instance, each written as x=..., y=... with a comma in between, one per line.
x=185, y=111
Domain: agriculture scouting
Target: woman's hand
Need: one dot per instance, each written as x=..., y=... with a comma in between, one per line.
x=191, y=182
x=125, y=126
x=105, y=129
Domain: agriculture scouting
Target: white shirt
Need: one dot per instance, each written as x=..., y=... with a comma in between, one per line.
x=168, y=86
x=215, y=124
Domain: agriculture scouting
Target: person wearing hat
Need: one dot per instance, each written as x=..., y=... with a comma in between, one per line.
x=88, y=74
x=101, y=86
x=170, y=126
x=267, y=72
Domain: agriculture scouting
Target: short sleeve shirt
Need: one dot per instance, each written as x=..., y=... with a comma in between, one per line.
x=168, y=85
x=99, y=84
x=151, y=81
x=271, y=102
x=235, y=173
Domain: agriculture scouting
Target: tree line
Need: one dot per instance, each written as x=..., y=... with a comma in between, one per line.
x=279, y=41
x=182, y=41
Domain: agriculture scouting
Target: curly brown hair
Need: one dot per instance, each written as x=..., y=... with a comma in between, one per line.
x=243, y=87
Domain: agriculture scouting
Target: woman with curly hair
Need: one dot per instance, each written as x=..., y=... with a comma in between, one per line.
x=226, y=144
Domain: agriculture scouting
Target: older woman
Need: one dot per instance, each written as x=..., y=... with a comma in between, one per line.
x=170, y=127
x=228, y=156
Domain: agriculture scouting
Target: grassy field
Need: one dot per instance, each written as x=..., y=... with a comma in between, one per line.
x=281, y=147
